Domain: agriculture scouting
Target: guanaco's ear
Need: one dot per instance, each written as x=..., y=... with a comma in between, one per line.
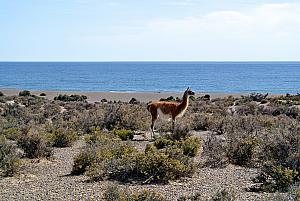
x=188, y=88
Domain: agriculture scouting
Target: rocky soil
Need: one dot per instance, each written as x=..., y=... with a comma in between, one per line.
x=51, y=180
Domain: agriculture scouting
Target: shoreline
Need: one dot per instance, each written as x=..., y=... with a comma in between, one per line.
x=116, y=96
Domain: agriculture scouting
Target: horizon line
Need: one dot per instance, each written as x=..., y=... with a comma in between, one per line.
x=111, y=61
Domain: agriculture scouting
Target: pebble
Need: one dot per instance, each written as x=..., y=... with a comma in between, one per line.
x=51, y=181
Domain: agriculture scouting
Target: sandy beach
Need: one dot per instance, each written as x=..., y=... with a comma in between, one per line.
x=115, y=96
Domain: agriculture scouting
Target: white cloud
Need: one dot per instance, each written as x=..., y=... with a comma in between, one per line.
x=268, y=32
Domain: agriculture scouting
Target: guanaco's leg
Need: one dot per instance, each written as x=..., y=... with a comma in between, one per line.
x=173, y=124
x=154, y=118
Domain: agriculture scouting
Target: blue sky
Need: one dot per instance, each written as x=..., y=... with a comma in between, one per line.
x=115, y=30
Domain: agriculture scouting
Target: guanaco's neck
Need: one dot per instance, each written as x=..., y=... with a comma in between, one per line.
x=185, y=101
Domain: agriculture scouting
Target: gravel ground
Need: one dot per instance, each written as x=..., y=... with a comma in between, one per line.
x=50, y=180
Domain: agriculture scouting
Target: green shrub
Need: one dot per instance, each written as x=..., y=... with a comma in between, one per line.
x=221, y=195
x=277, y=178
x=62, y=137
x=263, y=101
x=195, y=197
x=9, y=158
x=224, y=195
x=67, y=98
x=1, y=93
x=124, y=163
x=83, y=161
x=192, y=98
x=35, y=144
x=112, y=161
x=11, y=133
x=42, y=94
x=134, y=101
x=296, y=194
x=243, y=152
x=160, y=166
x=162, y=142
x=97, y=136
x=24, y=93
x=169, y=99
x=104, y=100
x=191, y=146
x=113, y=193
x=124, y=134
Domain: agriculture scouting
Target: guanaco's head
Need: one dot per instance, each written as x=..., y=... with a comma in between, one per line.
x=189, y=92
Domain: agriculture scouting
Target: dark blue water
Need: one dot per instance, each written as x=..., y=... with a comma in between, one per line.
x=224, y=77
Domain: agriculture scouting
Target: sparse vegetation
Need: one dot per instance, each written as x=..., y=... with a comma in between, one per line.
x=34, y=143
x=277, y=178
x=224, y=195
x=115, y=160
x=113, y=193
x=254, y=131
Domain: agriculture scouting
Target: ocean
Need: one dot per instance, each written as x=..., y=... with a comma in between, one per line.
x=211, y=77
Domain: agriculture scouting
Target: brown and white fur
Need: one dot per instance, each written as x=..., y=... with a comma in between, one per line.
x=170, y=110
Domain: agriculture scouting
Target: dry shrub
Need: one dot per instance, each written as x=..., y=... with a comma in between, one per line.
x=51, y=109
x=200, y=122
x=88, y=118
x=251, y=108
x=216, y=123
x=281, y=156
x=180, y=132
x=126, y=116
x=224, y=102
x=35, y=143
x=214, y=151
x=9, y=157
